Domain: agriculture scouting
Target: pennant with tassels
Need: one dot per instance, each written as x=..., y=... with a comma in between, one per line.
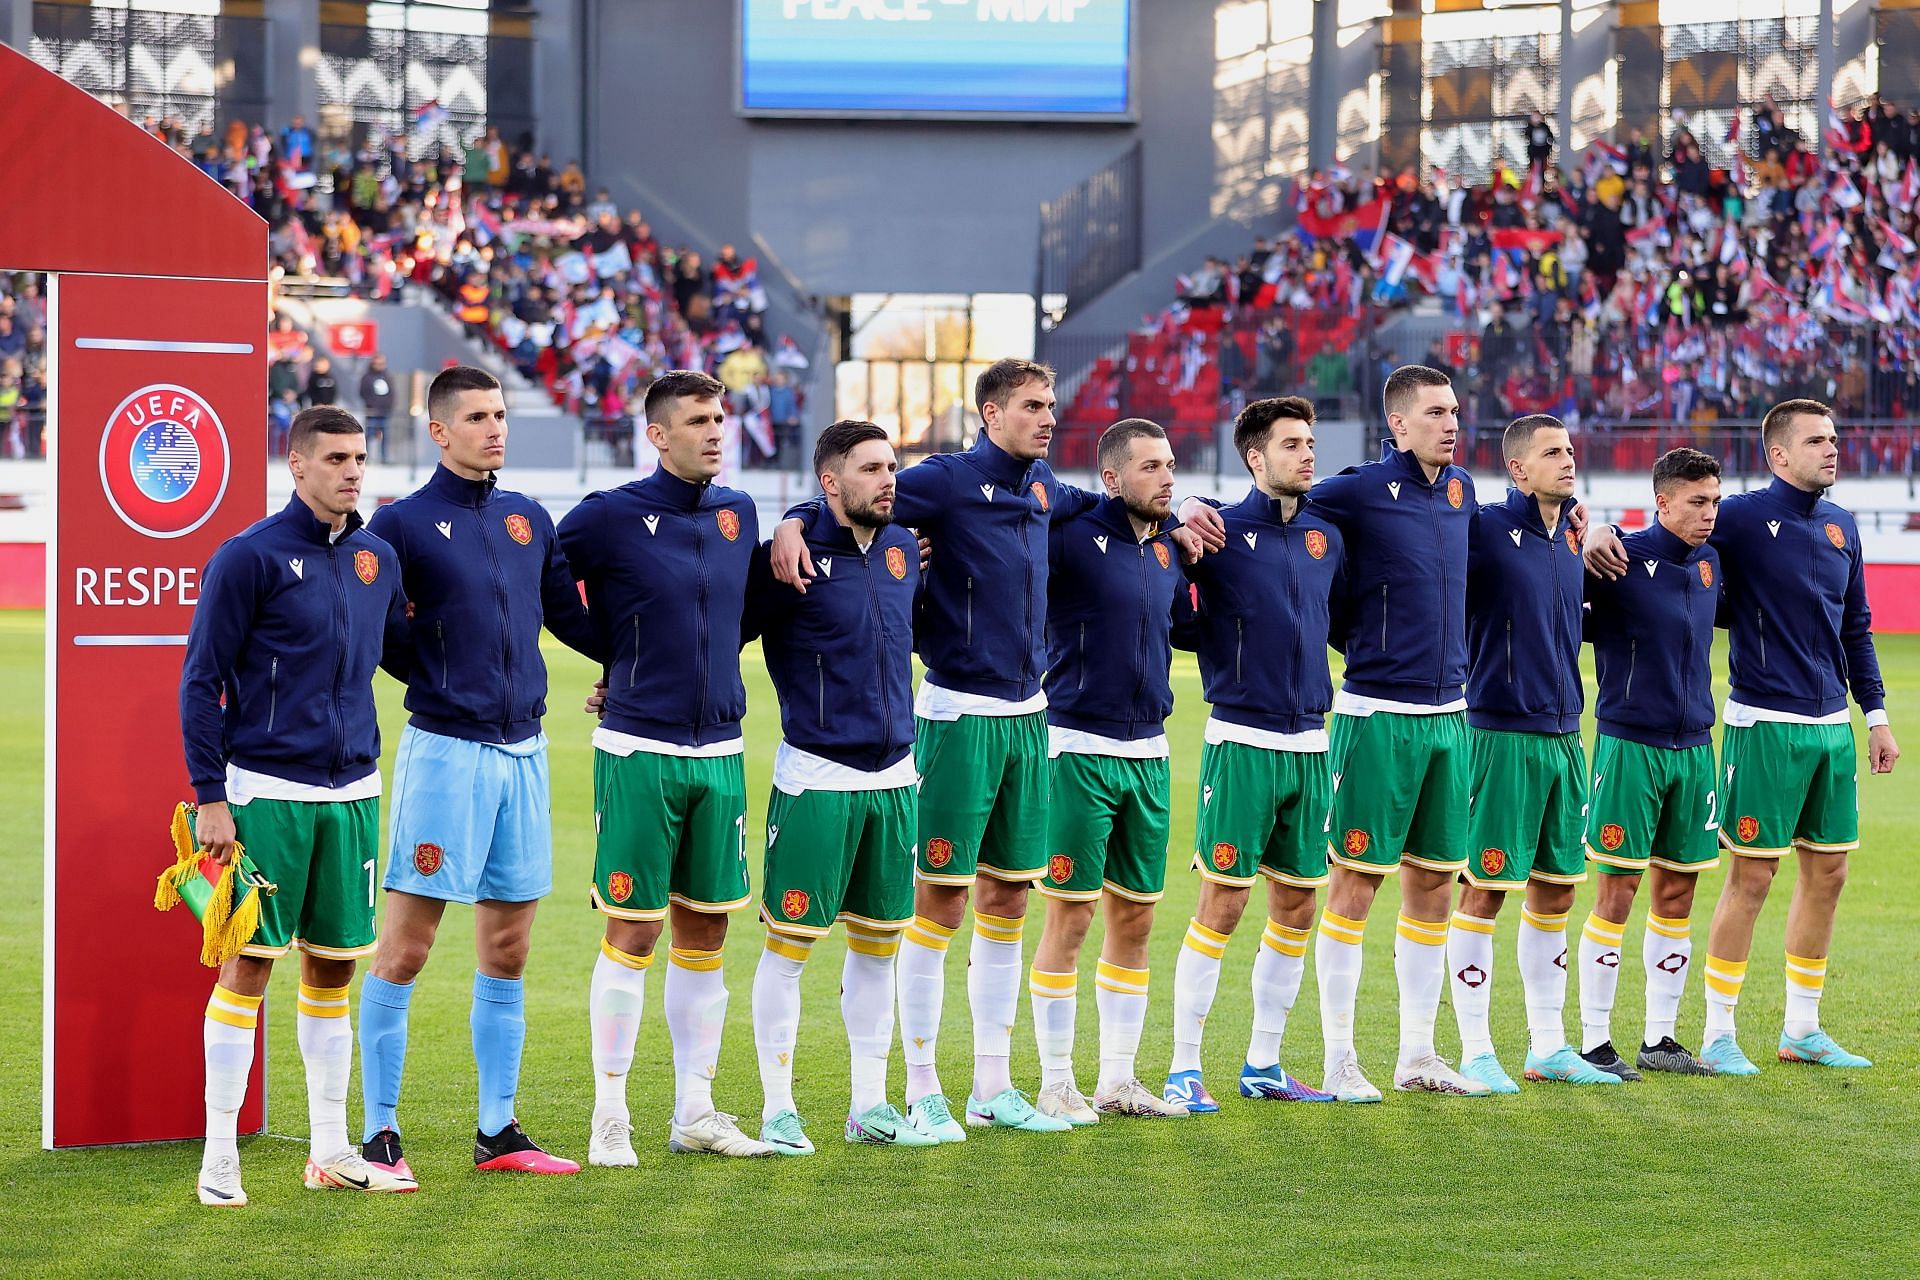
x=225, y=899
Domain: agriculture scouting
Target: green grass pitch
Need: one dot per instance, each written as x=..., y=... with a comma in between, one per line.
x=1799, y=1172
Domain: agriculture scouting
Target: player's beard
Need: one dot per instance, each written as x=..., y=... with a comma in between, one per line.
x=869, y=517
x=1149, y=513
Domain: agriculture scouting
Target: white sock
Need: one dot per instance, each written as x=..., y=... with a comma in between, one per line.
x=325, y=1033
x=1420, y=965
x=922, y=981
x=1278, y=967
x=1470, y=963
x=866, y=1007
x=1724, y=980
x=1336, y=962
x=1667, y=951
x=1542, y=949
x=696, y=1000
x=993, y=995
x=1056, y=1001
x=1196, y=977
x=1806, y=980
x=614, y=1003
x=1600, y=942
x=1120, y=997
x=776, y=1018
x=227, y=1039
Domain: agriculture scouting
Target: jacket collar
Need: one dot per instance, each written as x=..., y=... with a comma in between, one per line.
x=1263, y=507
x=299, y=517
x=824, y=529
x=459, y=490
x=1403, y=460
x=1526, y=509
x=1658, y=539
x=1112, y=512
x=1001, y=467
x=1793, y=498
x=669, y=490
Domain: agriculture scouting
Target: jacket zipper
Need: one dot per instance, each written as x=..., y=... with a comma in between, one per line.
x=1760, y=629
x=1383, y=619
x=969, y=613
x=440, y=629
x=700, y=603
x=273, y=692
x=879, y=640
x=1633, y=660
x=506, y=622
x=1140, y=664
x=1083, y=657
x=334, y=713
x=633, y=675
x=1239, y=647
x=1509, y=650
x=820, y=682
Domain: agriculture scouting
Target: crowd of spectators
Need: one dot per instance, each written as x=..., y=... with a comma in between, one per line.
x=580, y=295
x=23, y=365
x=1626, y=282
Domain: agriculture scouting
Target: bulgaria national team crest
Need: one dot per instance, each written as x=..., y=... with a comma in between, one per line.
x=1492, y=861
x=1456, y=493
x=897, y=562
x=729, y=523
x=939, y=852
x=1355, y=842
x=1572, y=544
x=1837, y=537
x=1706, y=574
x=1039, y=494
x=1059, y=868
x=1747, y=829
x=1161, y=554
x=1224, y=856
x=519, y=529
x=620, y=886
x=1316, y=544
x=163, y=460
x=1612, y=836
x=367, y=565
x=427, y=858
x=793, y=903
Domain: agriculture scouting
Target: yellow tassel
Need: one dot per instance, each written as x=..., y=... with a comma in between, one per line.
x=241, y=927
x=166, y=891
x=213, y=925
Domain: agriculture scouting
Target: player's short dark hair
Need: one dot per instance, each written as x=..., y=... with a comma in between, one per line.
x=1252, y=427
x=1116, y=442
x=320, y=420
x=1683, y=466
x=1777, y=427
x=450, y=382
x=999, y=380
x=838, y=440
x=1519, y=433
x=1404, y=384
x=680, y=384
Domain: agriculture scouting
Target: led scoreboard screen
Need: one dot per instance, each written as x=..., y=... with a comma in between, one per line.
x=963, y=59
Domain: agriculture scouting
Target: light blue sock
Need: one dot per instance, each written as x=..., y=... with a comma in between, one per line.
x=499, y=1033
x=383, y=1050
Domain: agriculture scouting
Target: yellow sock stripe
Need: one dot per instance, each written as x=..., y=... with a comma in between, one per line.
x=1430, y=933
x=322, y=1002
x=1052, y=985
x=925, y=933
x=1605, y=932
x=695, y=961
x=1810, y=964
x=1725, y=976
x=618, y=956
x=869, y=942
x=789, y=948
x=998, y=928
x=1729, y=968
x=1546, y=924
x=1285, y=939
x=1341, y=929
x=1206, y=941
x=1120, y=979
x=1472, y=924
x=222, y=1009
x=1670, y=928
x=1808, y=973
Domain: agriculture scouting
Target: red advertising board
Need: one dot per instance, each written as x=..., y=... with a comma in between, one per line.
x=160, y=456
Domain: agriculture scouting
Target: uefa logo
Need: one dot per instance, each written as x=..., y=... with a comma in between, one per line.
x=164, y=461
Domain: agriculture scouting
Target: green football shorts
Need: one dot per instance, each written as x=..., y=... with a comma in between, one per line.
x=669, y=828
x=1400, y=788
x=838, y=855
x=1652, y=805
x=1527, y=809
x=322, y=855
x=1789, y=785
x=983, y=797
x=1264, y=813
x=1110, y=818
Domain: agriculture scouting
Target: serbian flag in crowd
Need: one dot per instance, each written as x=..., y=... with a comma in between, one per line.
x=1840, y=131
x=1841, y=191
x=1528, y=239
x=1343, y=225
x=1601, y=154
x=1733, y=129
x=428, y=116
x=1737, y=172
x=1644, y=236
x=1465, y=295
x=1371, y=238
x=1825, y=240
x=1905, y=192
